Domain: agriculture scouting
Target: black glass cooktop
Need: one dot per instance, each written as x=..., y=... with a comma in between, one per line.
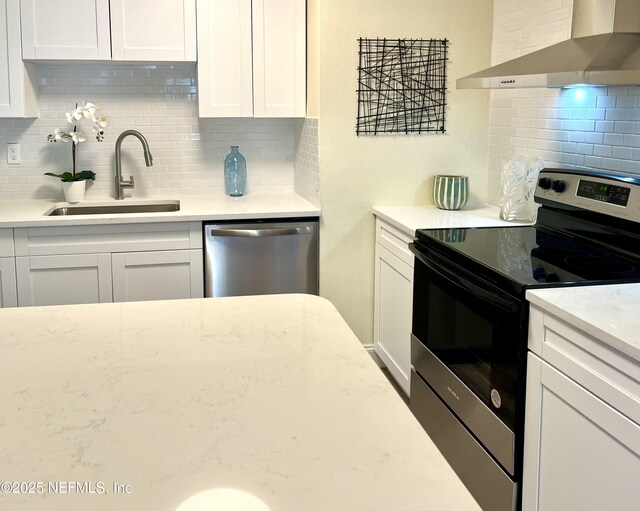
x=531, y=256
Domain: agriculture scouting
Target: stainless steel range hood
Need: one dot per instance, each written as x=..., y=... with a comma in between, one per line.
x=604, y=49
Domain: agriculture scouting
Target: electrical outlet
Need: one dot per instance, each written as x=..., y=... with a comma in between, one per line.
x=13, y=154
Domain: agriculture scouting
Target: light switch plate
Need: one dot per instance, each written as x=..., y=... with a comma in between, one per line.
x=13, y=154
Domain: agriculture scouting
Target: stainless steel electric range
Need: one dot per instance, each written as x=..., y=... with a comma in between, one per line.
x=470, y=316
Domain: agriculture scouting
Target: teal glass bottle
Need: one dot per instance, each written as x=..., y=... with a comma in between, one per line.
x=235, y=173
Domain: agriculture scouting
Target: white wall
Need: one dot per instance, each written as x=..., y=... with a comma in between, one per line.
x=594, y=126
x=160, y=102
x=357, y=173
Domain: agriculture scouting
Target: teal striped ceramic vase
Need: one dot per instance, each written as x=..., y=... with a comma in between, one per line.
x=450, y=192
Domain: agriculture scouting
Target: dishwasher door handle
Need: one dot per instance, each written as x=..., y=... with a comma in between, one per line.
x=259, y=233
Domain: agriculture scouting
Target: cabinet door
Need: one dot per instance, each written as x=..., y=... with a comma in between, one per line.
x=392, y=314
x=153, y=30
x=64, y=279
x=224, y=58
x=580, y=453
x=279, y=58
x=65, y=29
x=160, y=275
x=8, y=292
x=18, y=81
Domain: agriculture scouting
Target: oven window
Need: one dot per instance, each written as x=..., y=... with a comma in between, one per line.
x=475, y=339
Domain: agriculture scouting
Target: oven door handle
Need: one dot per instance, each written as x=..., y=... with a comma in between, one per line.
x=503, y=302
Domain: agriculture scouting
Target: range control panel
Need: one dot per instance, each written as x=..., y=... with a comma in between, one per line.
x=603, y=192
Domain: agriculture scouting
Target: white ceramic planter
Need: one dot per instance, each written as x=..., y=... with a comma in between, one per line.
x=74, y=191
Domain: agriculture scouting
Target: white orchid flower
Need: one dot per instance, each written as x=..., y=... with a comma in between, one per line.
x=58, y=134
x=77, y=137
x=89, y=110
x=102, y=122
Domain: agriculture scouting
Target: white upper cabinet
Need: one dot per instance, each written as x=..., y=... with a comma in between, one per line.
x=225, y=76
x=153, y=30
x=279, y=58
x=252, y=58
x=18, y=80
x=65, y=29
x=123, y=30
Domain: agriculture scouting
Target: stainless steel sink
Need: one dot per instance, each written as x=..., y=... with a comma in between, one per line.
x=111, y=209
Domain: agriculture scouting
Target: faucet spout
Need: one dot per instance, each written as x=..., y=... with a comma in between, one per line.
x=148, y=159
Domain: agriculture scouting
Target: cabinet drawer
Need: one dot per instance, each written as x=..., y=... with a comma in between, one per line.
x=6, y=243
x=611, y=375
x=87, y=239
x=395, y=241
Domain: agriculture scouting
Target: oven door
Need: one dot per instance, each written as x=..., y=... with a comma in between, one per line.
x=468, y=345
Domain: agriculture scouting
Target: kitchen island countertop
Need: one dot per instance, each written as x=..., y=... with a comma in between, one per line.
x=31, y=212
x=273, y=396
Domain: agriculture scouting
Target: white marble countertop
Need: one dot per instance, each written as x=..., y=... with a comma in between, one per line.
x=28, y=213
x=410, y=218
x=609, y=313
x=272, y=396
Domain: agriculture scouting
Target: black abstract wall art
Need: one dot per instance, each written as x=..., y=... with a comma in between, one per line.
x=401, y=86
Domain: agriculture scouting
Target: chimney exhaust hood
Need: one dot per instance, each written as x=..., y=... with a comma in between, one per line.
x=604, y=49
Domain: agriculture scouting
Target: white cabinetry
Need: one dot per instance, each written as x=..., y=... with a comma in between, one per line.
x=18, y=80
x=157, y=275
x=8, y=296
x=582, y=426
x=393, y=301
x=104, y=263
x=65, y=29
x=64, y=279
x=251, y=58
x=153, y=30
x=136, y=30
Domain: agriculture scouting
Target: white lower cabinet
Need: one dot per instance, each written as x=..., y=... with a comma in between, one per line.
x=582, y=426
x=160, y=275
x=393, y=301
x=64, y=279
x=8, y=291
x=56, y=266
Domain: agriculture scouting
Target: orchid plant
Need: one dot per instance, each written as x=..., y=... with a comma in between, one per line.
x=86, y=111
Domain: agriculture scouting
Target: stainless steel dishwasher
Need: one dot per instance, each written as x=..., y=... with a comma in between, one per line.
x=261, y=257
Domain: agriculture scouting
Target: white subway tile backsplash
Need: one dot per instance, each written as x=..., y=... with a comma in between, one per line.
x=631, y=140
x=623, y=153
x=624, y=127
x=593, y=138
x=606, y=101
x=627, y=101
x=160, y=102
x=307, y=168
x=591, y=126
x=615, y=114
x=602, y=150
x=611, y=164
x=584, y=149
